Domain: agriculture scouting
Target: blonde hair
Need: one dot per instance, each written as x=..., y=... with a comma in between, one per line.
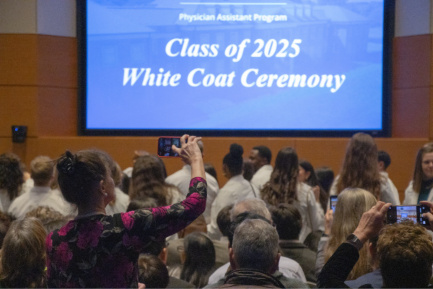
x=352, y=203
x=42, y=170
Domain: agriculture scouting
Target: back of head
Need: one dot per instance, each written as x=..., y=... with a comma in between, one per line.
x=199, y=259
x=418, y=174
x=79, y=175
x=264, y=152
x=42, y=170
x=255, y=206
x=352, y=203
x=287, y=220
x=360, y=168
x=11, y=175
x=152, y=272
x=405, y=254
x=50, y=219
x=325, y=177
x=239, y=219
x=224, y=220
x=281, y=187
x=255, y=246
x=233, y=160
x=308, y=167
x=383, y=156
x=148, y=180
x=23, y=255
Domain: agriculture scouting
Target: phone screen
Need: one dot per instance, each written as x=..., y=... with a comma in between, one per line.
x=396, y=214
x=164, y=146
x=333, y=202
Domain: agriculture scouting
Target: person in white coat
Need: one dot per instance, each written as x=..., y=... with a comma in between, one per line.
x=260, y=157
x=421, y=186
x=284, y=187
x=360, y=170
x=181, y=180
x=236, y=189
x=384, y=160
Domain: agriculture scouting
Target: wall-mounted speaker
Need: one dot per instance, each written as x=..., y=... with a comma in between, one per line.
x=19, y=133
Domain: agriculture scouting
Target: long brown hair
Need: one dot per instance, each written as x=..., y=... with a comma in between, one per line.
x=11, y=175
x=360, y=165
x=281, y=187
x=148, y=181
x=23, y=256
x=418, y=174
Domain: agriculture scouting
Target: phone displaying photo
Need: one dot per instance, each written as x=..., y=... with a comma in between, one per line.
x=333, y=202
x=165, y=145
x=397, y=214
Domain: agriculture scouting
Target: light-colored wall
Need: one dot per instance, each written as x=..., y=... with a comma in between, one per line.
x=38, y=88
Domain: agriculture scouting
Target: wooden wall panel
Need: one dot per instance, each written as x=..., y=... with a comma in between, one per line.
x=18, y=59
x=57, y=111
x=412, y=61
x=57, y=61
x=18, y=106
x=411, y=112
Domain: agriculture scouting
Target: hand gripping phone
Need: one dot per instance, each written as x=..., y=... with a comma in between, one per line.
x=396, y=214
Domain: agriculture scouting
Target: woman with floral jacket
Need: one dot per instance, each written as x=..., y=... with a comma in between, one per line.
x=96, y=250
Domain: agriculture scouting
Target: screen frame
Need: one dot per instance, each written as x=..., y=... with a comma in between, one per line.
x=388, y=34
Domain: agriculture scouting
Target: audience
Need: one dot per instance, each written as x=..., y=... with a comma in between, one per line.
x=181, y=179
x=95, y=250
x=404, y=251
x=352, y=203
x=121, y=200
x=11, y=179
x=199, y=256
x=42, y=173
x=421, y=186
x=50, y=219
x=290, y=272
x=236, y=188
x=360, y=170
x=260, y=157
x=23, y=256
x=284, y=187
x=148, y=182
x=288, y=222
x=307, y=175
x=101, y=246
x=383, y=162
x=152, y=272
x=254, y=256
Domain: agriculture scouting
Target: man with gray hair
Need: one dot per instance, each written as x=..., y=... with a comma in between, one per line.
x=289, y=272
x=254, y=256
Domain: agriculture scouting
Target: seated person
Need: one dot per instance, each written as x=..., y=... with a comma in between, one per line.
x=288, y=222
x=152, y=272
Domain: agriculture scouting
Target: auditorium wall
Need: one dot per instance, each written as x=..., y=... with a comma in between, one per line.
x=38, y=88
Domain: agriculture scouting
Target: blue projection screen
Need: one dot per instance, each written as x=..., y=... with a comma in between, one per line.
x=247, y=68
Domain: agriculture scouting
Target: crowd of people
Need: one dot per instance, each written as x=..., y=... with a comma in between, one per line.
x=81, y=221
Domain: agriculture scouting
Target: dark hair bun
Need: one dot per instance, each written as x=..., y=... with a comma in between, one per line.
x=236, y=150
x=66, y=163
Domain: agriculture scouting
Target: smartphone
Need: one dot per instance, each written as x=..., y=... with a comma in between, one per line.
x=165, y=144
x=333, y=202
x=396, y=214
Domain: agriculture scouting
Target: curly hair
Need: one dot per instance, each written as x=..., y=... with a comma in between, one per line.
x=23, y=256
x=360, y=168
x=352, y=203
x=11, y=175
x=281, y=187
x=405, y=252
x=148, y=181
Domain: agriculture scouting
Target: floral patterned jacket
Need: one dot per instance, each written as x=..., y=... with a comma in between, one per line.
x=102, y=251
